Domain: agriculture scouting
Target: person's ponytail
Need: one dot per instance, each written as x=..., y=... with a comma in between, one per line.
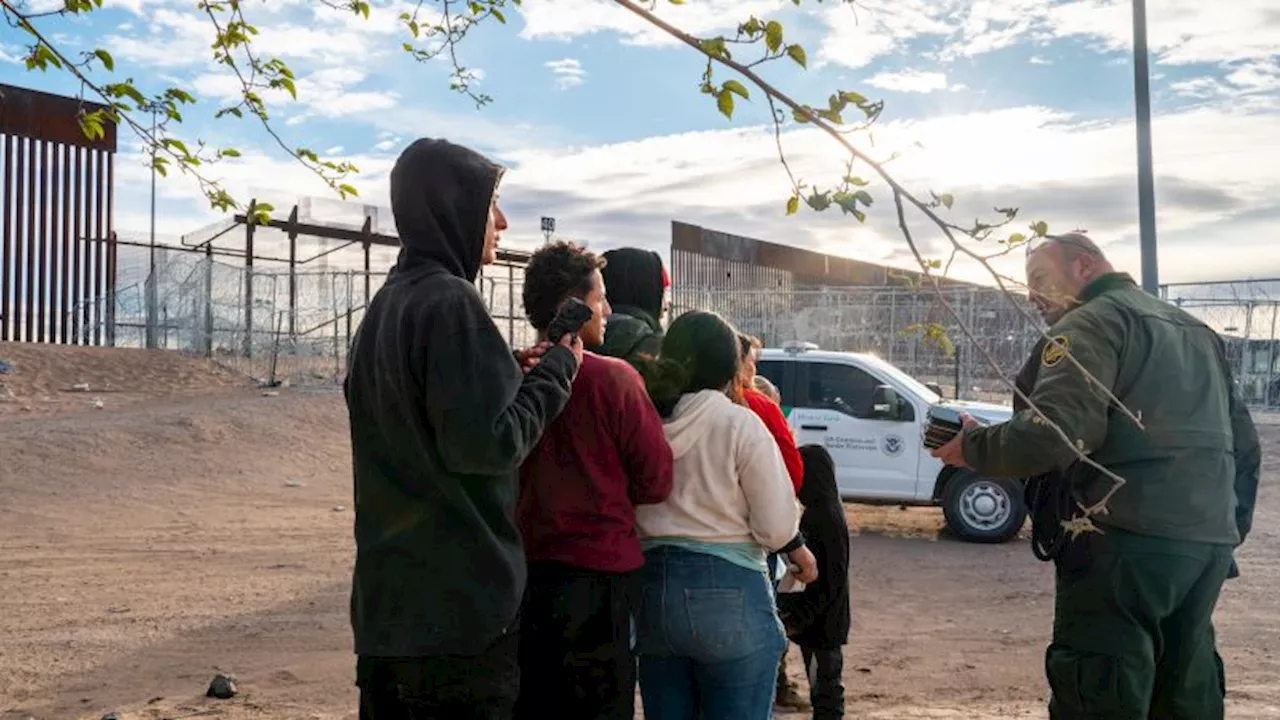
x=665, y=379
x=699, y=352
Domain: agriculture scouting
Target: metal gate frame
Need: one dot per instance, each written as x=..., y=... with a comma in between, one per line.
x=57, y=240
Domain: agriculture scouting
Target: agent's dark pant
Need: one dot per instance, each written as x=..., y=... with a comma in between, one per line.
x=576, y=660
x=825, y=669
x=467, y=688
x=1133, y=632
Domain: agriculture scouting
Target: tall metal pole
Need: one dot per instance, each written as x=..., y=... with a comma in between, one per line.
x=151, y=273
x=1146, y=174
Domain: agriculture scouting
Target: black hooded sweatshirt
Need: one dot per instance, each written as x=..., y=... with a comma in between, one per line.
x=634, y=282
x=818, y=617
x=441, y=419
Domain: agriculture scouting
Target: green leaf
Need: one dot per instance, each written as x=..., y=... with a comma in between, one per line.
x=715, y=47
x=818, y=201
x=105, y=57
x=947, y=199
x=175, y=143
x=800, y=117
x=773, y=35
x=846, y=201
x=1016, y=238
x=229, y=152
x=1041, y=228
x=724, y=102
x=91, y=126
x=793, y=204
x=795, y=52
x=852, y=97
x=347, y=190
x=864, y=197
x=735, y=87
x=855, y=180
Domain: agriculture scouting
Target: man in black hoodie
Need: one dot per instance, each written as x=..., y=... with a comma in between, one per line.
x=636, y=281
x=441, y=419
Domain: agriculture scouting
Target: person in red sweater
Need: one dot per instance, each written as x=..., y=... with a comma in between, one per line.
x=602, y=456
x=787, y=694
x=769, y=411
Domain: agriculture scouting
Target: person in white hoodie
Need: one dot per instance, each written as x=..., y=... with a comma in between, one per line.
x=708, y=633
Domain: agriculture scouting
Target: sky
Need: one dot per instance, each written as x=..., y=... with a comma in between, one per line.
x=1000, y=103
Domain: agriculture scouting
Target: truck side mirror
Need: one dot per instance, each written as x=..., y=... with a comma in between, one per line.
x=887, y=404
x=935, y=387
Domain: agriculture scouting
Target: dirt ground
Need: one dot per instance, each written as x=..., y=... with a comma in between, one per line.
x=193, y=525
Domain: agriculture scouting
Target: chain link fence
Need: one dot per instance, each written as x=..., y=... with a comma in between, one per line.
x=277, y=327
x=893, y=323
x=244, y=319
x=1246, y=314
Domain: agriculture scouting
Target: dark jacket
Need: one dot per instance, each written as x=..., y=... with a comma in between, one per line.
x=818, y=617
x=1047, y=495
x=634, y=282
x=1181, y=470
x=441, y=418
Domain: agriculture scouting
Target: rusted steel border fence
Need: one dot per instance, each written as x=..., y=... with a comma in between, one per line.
x=56, y=249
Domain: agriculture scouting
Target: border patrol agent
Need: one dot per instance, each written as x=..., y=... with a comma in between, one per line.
x=1133, y=635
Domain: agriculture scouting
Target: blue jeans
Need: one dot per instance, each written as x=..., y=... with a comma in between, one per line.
x=709, y=638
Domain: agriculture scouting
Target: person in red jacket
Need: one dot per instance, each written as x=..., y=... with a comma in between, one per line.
x=769, y=411
x=787, y=694
x=605, y=454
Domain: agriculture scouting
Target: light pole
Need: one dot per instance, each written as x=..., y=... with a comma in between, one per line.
x=152, y=300
x=1146, y=174
x=548, y=228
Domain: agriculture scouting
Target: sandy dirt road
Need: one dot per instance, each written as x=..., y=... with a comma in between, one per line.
x=149, y=544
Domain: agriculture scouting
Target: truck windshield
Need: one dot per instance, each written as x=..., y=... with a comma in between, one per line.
x=909, y=382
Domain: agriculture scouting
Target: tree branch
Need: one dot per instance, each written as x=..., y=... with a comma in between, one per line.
x=900, y=193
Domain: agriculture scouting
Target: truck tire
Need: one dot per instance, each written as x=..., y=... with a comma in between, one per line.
x=983, y=510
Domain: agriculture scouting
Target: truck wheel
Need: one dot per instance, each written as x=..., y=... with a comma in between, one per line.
x=983, y=510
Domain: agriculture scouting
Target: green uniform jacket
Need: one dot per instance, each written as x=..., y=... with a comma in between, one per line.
x=1191, y=473
x=630, y=333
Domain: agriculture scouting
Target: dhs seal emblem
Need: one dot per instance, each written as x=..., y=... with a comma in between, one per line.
x=891, y=445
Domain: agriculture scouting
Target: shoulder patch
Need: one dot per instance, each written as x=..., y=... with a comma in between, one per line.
x=1052, y=354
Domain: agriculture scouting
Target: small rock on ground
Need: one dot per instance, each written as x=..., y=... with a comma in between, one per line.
x=223, y=687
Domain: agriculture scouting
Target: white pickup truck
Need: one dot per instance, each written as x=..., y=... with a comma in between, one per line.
x=870, y=416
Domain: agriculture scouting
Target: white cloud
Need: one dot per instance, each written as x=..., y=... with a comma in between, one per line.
x=330, y=93
x=1214, y=180
x=566, y=19
x=914, y=81
x=1178, y=31
x=10, y=54
x=858, y=34
x=1037, y=60
x=1212, y=167
x=1251, y=84
x=568, y=73
x=293, y=30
